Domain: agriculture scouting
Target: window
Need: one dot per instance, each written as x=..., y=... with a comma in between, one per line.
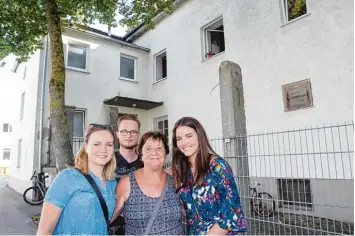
x=15, y=66
x=19, y=153
x=76, y=57
x=128, y=67
x=22, y=105
x=297, y=95
x=6, y=128
x=213, y=35
x=294, y=9
x=161, y=124
x=161, y=66
x=295, y=192
x=6, y=154
x=78, y=124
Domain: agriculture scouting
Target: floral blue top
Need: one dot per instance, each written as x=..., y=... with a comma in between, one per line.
x=215, y=201
x=82, y=212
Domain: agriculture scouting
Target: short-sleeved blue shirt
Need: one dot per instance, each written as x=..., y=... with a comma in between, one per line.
x=82, y=212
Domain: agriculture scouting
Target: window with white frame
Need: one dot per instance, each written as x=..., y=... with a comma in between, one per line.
x=19, y=153
x=128, y=68
x=78, y=123
x=22, y=105
x=6, y=154
x=161, y=70
x=6, y=128
x=76, y=56
x=294, y=9
x=213, y=36
x=161, y=124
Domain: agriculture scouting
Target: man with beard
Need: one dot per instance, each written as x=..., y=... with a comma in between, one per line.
x=128, y=134
x=127, y=158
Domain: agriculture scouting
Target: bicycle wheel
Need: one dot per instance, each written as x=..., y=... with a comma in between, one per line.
x=33, y=196
x=264, y=205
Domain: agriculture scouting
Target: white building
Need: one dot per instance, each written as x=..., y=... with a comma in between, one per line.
x=173, y=71
x=9, y=112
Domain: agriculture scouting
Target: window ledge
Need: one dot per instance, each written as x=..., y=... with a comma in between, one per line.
x=129, y=80
x=299, y=109
x=156, y=82
x=298, y=18
x=208, y=59
x=78, y=70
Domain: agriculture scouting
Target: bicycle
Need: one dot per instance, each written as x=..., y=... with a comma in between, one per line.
x=262, y=203
x=34, y=195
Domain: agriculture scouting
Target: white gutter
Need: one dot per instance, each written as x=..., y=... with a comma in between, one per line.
x=123, y=43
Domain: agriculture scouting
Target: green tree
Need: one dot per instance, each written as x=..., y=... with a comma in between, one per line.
x=24, y=23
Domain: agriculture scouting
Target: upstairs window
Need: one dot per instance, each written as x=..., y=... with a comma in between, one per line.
x=76, y=57
x=213, y=35
x=6, y=128
x=6, y=154
x=128, y=68
x=294, y=9
x=22, y=108
x=161, y=66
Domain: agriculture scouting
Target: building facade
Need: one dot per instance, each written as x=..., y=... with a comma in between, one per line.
x=295, y=70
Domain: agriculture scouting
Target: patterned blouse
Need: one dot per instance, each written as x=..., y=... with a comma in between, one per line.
x=216, y=200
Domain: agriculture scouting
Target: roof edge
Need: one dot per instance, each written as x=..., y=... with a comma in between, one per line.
x=114, y=38
x=140, y=29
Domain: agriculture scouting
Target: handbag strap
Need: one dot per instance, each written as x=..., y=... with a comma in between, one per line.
x=156, y=208
x=99, y=195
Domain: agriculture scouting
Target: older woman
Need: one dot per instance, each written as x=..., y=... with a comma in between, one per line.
x=147, y=196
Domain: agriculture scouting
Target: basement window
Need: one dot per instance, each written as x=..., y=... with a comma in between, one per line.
x=213, y=35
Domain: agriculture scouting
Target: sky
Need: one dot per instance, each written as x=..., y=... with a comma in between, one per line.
x=119, y=30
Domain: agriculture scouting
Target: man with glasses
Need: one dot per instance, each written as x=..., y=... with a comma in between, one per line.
x=127, y=158
x=128, y=135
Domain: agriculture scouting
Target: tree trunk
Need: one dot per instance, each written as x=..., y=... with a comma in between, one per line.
x=60, y=143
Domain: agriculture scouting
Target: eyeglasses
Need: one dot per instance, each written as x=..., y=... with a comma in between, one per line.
x=131, y=132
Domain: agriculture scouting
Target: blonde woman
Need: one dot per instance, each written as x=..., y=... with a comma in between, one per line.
x=71, y=205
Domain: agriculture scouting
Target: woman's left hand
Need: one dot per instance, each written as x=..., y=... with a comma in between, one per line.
x=169, y=170
x=216, y=230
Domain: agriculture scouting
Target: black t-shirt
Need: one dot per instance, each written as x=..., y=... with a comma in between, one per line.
x=124, y=168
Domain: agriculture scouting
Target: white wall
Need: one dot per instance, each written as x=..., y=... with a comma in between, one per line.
x=88, y=90
x=319, y=47
x=24, y=80
x=8, y=114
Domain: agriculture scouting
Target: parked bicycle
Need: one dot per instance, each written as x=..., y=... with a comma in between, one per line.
x=34, y=195
x=262, y=203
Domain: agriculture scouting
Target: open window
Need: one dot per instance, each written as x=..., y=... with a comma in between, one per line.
x=213, y=35
x=294, y=9
x=161, y=70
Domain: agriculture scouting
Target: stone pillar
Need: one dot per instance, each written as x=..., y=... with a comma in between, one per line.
x=113, y=122
x=234, y=127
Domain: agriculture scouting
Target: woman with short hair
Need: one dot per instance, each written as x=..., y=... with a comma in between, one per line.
x=147, y=196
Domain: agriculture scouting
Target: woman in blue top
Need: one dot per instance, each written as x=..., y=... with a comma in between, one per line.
x=205, y=183
x=71, y=205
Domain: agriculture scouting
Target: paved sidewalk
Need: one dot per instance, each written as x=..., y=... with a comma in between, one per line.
x=15, y=214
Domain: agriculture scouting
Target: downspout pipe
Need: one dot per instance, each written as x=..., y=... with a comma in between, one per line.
x=44, y=78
